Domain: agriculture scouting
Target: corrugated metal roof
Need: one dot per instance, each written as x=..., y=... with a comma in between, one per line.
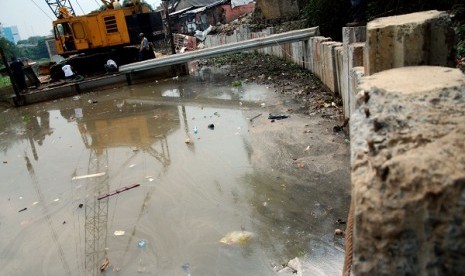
x=197, y=10
x=202, y=3
x=180, y=11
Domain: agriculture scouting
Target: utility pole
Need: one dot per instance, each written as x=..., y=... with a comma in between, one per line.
x=166, y=4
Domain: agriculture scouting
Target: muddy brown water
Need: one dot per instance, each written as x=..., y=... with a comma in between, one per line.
x=280, y=186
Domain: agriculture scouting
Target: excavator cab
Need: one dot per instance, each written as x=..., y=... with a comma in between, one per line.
x=64, y=37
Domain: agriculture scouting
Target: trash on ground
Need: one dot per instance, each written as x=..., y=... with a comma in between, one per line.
x=277, y=116
x=35, y=203
x=56, y=200
x=307, y=148
x=88, y=176
x=340, y=221
x=296, y=266
x=216, y=114
x=187, y=141
x=255, y=117
x=104, y=265
x=132, y=165
x=141, y=243
x=237, y=238
x=129, y=187
x=196, y=130
x=80, y=205
x=24, y=209
x=186, y=267
x=237, y=83
x=299, y=164
x=211, y=126
x=337, y=128
x=119, y=232
x=4, y=162
x=262, y=104
x=338, y=232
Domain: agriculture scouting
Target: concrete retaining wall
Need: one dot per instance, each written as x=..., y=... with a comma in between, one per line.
x=407, y=139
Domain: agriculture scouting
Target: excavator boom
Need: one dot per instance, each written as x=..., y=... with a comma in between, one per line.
x=59, y=7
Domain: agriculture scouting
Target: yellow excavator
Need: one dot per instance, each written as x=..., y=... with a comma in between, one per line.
x=89, y=40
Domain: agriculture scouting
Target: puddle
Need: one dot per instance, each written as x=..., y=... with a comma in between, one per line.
x=191, y=195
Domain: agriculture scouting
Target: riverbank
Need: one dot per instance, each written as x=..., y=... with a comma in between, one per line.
x=286, y=79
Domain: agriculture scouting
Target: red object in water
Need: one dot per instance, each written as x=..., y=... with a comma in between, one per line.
x=120, y=190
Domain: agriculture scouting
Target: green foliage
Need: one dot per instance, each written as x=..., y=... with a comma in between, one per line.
x=4, y=81
x=237, y=83
x=332, y=15
x=8, y=48
x=39, y=51
x=329, y=15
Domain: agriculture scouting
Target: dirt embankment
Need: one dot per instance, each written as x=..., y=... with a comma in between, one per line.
x=287, y=79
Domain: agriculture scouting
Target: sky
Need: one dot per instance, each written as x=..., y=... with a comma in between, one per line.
x=34, y=17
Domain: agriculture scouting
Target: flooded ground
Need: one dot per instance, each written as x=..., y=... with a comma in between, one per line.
x=241, y=198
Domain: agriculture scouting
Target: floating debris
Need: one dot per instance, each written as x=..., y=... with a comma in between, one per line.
x=118, y=191
x=255, y=117
x=119, y=233
x=104, y=265
x=237, y=238
x=277, y=116
x=141, y=243
x=88, y=176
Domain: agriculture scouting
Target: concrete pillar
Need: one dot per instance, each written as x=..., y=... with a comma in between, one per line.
x=408, y=172
x=422, y=38
x=353, y=59
x=349, y=36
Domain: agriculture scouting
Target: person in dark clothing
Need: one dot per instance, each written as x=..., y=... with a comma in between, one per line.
x=358, y=13
x=18, y=75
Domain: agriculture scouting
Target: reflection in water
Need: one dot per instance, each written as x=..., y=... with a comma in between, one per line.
x=191, y=195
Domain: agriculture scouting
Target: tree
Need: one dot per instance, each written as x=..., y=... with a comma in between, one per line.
x=8, y=48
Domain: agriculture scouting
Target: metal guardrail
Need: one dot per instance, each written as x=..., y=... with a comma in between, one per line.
x=251, y=44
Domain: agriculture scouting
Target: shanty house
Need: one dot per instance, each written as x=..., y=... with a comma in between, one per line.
x=197, y=15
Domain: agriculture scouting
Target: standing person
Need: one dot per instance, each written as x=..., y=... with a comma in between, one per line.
x=358, y=13
x=17, y=71
x=144, y=47
x=111, y=66
x=68, y=70
x=116, y=5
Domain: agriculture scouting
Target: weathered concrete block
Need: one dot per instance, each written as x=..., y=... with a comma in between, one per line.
x=422, y=38
x=355, y=77
x=349, y=36
x=408, y=172
x=339, y=50
x=318, y=57
x=328, y=72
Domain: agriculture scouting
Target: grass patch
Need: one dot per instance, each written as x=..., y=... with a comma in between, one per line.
x=4, y=81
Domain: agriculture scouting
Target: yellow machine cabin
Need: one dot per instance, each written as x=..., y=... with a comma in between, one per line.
x=96, y=30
